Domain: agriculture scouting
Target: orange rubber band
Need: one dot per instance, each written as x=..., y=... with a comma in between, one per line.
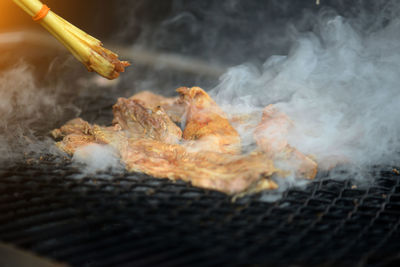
x=42, y=13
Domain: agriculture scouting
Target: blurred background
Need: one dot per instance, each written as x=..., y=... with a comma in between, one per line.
x=204, y=37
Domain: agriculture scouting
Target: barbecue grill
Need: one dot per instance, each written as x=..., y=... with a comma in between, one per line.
x=125, y=219
x=136, y=220
x=49, y=208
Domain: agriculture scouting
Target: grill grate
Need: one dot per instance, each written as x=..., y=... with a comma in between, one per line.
x=138, y=220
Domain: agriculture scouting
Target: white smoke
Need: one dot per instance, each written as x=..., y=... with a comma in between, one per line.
x=27, y=111
x=336, y=76
x=341, y=86
x=97, y=158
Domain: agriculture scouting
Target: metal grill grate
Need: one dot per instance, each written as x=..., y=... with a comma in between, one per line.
x=134, y=220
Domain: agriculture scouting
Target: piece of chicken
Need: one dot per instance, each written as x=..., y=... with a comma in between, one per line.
x=271, y=133
x=73, y=141
x=142, y=122
x=148, y=141
x=172, y=105
x=131, y=116
x=227, y=173
x=113, y=135
x=231, y=174
x=206, y=123
x=74, y=126
x=271, y=136
x=75, y=133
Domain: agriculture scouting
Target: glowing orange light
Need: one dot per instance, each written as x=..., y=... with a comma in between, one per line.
x=11, y=17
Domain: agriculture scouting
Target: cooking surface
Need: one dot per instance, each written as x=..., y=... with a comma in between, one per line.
x=138, y=220
x=135, y=220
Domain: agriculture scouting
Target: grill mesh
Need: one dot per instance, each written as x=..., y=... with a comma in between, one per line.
x=136, y=220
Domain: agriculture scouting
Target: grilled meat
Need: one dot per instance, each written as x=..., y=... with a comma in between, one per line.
x=271, y=133
x=113, y=136
x=208, y=155
x=72, y=142
x=271, y=137
x=207, y=124
x=227, y=173
x=303, y=166
x=231, y=174
x=74, y=126
x=142, y=122
x=173, y=106
x=75, y=133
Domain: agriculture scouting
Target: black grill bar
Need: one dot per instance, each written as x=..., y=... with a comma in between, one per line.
x=133, y=219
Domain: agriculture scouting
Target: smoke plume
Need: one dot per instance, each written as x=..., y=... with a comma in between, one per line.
x=339, y=84
x=333, y=68
x=28, y=110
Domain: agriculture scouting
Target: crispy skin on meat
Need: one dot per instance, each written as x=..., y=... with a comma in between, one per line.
x=173, y=106
x=271, y=137
x=207, y=124
x=74, y=126
x=142, y=122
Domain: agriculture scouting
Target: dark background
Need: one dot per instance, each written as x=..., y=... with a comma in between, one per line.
x=229, y=31
x=221, y=33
